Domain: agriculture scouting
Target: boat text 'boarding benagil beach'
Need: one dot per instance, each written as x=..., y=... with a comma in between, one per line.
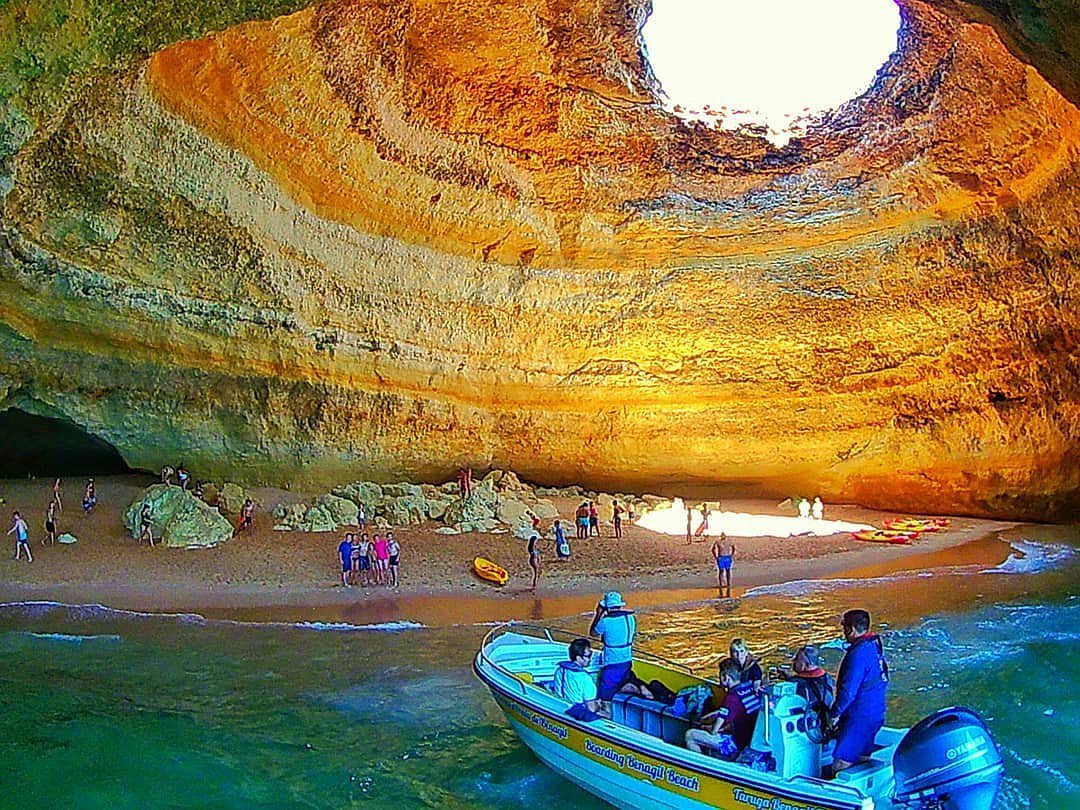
x=638, y=759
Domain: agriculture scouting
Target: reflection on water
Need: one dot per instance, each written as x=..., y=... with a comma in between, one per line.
x=174, y=711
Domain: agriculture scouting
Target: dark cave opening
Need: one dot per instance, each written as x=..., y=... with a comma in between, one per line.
x=42, y=446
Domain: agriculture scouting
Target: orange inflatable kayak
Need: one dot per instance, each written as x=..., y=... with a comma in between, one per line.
x=486, y=569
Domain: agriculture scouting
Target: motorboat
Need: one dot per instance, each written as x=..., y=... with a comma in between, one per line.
x=636, y=759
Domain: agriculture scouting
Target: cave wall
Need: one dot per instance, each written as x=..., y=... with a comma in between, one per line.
x=375, y=239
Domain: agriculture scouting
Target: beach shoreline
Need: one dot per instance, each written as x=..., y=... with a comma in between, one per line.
x=293, y=576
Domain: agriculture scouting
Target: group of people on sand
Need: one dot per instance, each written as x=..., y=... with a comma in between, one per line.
x=587, y=519
x=52, y=519
x=183, y=478
x=850, y=709
x=369, y=561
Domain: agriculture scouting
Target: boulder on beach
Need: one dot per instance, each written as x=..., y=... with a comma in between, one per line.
x=402, y=488
x=545, y=510
x=341, y=510
x=182, y=520
x=512, y=511
x=405, y=510
x=363, y=493
x=231, y=499
x=317, y=519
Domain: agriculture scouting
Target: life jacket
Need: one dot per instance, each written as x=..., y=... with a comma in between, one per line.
x=619, y=636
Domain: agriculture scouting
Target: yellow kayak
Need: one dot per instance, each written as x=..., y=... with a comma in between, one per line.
x=916, y=524
x=488, y=570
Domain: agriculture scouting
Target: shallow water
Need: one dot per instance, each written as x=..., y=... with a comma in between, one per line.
x=113, y=709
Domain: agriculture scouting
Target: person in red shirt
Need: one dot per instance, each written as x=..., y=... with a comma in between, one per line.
x=730, y=728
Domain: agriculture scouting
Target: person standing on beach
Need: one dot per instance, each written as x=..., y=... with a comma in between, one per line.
x=594, y=520
x=345, y=555
x=394, y=550
x=247, y=515
x=167, y=473
x=617, y=511
x=50, y=524
x=703, y=527
x=89, y=498
x=382, y=559
x=362, y=558
x=562, y=547
x=56, y=495
x=146, y=525
x=22, y=536
x=581, y=520
x=817, y=508
x=724, y=563
x=534, y=558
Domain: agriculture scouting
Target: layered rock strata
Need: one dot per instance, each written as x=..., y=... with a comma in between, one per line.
x=380, y=239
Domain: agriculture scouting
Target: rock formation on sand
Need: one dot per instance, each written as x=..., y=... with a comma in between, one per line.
x=180, y=520
x=499, y=502
x=360, y=239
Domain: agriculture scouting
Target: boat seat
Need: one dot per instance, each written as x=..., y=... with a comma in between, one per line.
x=652, y=717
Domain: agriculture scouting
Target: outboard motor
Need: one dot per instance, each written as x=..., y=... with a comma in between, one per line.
x=948, y=761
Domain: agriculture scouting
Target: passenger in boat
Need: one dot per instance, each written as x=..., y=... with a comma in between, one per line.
x=730, y=728
x=616, y=626
x=749, y=668
x=573, y=683
x=859, y=708
x=813, y=682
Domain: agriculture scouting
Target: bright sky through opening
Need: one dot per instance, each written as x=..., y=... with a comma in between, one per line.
x=770, y=62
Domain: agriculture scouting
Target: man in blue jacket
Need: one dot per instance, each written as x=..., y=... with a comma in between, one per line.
x=859, y=708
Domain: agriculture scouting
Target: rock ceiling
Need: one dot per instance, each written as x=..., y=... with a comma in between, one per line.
x=379, y=239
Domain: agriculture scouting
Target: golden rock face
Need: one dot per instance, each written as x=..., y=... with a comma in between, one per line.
x=380, y=239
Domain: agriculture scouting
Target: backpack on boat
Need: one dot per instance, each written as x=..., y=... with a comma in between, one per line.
x=690, y=701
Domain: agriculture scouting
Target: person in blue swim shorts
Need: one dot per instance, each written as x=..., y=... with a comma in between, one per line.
x=859, y=707
x=723, y=564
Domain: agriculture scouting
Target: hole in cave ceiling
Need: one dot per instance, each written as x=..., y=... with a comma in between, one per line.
x=769, y=66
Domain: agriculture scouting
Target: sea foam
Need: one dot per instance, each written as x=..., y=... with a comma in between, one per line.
x=1033, y=558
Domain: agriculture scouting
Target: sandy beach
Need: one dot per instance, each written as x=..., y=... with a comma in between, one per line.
x=297, y=573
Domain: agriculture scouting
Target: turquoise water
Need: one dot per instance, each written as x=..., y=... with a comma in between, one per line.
x=107, y=709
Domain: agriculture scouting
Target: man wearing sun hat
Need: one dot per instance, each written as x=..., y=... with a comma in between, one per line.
x=616, y=626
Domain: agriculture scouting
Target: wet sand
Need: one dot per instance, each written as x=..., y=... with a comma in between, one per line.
x=288, y=576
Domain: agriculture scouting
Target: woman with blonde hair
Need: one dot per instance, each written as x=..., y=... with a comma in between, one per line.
x=749, y=668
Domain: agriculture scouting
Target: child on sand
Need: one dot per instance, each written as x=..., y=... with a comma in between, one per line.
x=562, y=546
x=89, y=498
x=22, y=536
x=247, y=515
